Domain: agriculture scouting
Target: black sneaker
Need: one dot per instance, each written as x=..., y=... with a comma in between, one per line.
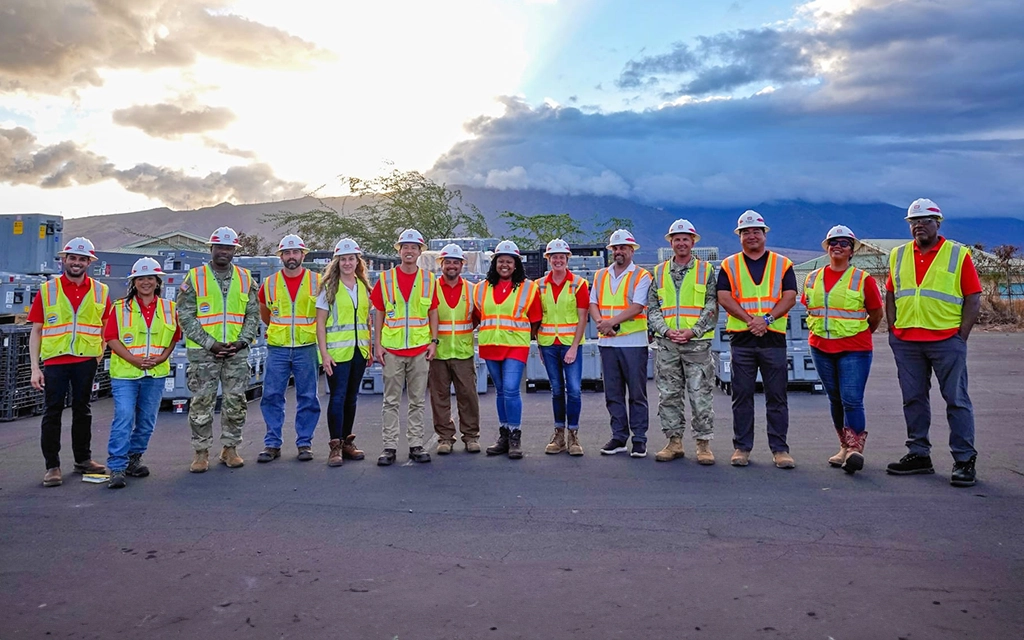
x=639, y=450
x=268, y=454
x=387, y=457
x=613, y=446
x=963, y=473
x=136, y=469
x=117, y=480
x=417, y=454
x=911, y=464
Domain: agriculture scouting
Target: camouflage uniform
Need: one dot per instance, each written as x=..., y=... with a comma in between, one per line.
x=205, y=371
x=684, y=369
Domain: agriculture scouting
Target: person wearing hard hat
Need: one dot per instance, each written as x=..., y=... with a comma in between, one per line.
x=682, y=311
x=454, y=363
x=67, y=319
x=618, y=304
x=506, y=307
x=405, y=331
x=932, y=300
x=141, y=333
x=288, y=309
x=844, y=307
x=219, y=313
x=757, y=287
x=565, y=299
x=343, y=336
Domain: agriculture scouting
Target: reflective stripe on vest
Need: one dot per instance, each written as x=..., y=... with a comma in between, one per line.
x=506, y=324
x=142, y=340
x=70, y=331
x=756, y=299
x=561, y=317
x=936, y=303
x=839, y=313
x=455, y=326
x=612, y=304
x=406, y=322
x=292, y=324
x=349, y=324
x=681, y=309
x=220, y=315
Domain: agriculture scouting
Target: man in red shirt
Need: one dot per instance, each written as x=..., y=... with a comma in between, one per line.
x=931, y=305
x=67, y=319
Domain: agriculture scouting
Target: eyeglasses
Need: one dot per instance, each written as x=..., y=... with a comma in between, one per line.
x=840, y=242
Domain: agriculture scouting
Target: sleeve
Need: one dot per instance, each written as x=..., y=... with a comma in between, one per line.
x=593, y=291
x=888, y=283
x=872, y=295
x=655, y=317
x=723, y=281
x=35, y=314
x=642, y=289
x=110, y=330
x=969, y=281
x=583, y=296
x=177, y=335
x=536, y=311
x=435, y=301
x=803, y=296
x=321, y=301
x=708, y=319
x=251, y=324
x=377, y=298
x=187, y=307
x=261, y=295
x=789, y=280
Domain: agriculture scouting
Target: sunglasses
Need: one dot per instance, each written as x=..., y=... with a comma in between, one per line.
x=840, y=242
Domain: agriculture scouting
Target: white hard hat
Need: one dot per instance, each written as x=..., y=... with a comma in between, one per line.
x=291, y=241
x=452, y=251
x=682, y=226
x=79, y=247
x=146, y=267
x=622, y=236
x=840, y=231
x=557, y=246
x=923, y=208
x=224, y=235
x=347, y=247
x=507, y=248
x=750, y=220
x=410, y=236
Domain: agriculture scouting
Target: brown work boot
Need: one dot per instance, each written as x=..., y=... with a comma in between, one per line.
x=335, y=459
x=672, y=450
x=573, y=440
x=89, y=466
x=557, y=444
x=740, y=458
x=473, y=445
x=200, y=462
x=783, y=460
x=704, y=455
x=348, y=448
x=838, y=459
x=855, y=444
x=230, y=457
x=52, y=478
x=444, y=447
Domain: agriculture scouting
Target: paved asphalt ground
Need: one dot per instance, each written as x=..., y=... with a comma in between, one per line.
x=546, y=547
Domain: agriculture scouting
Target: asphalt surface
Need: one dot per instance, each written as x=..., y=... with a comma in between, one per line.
x=544, y=547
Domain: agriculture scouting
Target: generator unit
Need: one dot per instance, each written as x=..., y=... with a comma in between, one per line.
x=29, y=243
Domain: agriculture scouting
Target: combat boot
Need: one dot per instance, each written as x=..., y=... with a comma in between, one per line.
x=838, y=459
x=335, y=459
x=500, y=446
x=473, y=445
x=135, y=467
x=515, y=447
x=557, y=444
x=855, y=450
x=573, y=440
x=230, y=457
x=200, y=462
x=704, y=455
x=672, y=450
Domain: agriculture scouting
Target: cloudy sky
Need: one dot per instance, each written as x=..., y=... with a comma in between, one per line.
x=118, y=105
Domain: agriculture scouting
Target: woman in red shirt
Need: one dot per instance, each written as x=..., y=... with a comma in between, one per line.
x=844, y=307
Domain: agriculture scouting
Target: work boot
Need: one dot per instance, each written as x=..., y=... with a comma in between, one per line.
x=515, y=447
x=230, y=457
x=704, y=455
x=387, y=457
x=335, y=459
x=418, y=454
x=117, y=480
x=90, y=466
x=740, y=458
x=500, y=446
x=964, y=474
x=473, y=445
x=573, y=440
x=783, y=460
x=348, y=448
x=838, y=459
x=200, y=462
x=444, y=447
x=305, y=454
x=135, y=467
x=52, y=478
x=855, y=450
x=557, y=444
x=911, y=464
x=268, y=454
x=672, y=450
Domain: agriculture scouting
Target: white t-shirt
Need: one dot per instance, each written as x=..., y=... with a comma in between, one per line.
x=638, y=339
x=321, y=300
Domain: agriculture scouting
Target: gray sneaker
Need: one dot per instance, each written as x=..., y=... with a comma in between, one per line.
x=117, y=480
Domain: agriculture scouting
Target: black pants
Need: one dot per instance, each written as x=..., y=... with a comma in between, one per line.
x=344, y=389
x=58, y=377
x=775, y=376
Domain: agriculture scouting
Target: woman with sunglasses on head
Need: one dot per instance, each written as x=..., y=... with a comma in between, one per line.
x=844, y=307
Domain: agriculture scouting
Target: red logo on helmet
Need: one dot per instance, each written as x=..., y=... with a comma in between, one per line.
x=215, y=239
x=630, y=239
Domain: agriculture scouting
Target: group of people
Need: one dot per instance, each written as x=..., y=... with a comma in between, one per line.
x=423, y=329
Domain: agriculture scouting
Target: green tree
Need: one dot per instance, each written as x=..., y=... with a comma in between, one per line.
x=253, y=244
x=534, y=232
x=609, y=226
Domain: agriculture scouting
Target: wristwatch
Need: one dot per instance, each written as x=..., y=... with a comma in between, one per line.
x=435, y=341
x=768, y=319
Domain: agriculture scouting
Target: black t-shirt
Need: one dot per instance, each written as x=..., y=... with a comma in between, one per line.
x=772, y=339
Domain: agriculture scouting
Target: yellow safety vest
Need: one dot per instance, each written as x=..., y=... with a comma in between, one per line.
x=348, y=324
x=681, y=309
x=756, y=299
x=406, y=322
x=560, y=317
x=937, y=303
x=143, y=340
x=292, y=324
x=506, y=324
x=221, y=315
x=455, y=326
x=612, y=304
x=67, y=331
x=839, y=313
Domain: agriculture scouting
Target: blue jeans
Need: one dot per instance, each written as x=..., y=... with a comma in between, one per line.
x=566, y=384
x=507, y=375
x=344, y=389
x=282, y=364
x=844, y=376
x=136, y=403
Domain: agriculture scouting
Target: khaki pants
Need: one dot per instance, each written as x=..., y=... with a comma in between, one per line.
x=443, y=373
x=410, y=374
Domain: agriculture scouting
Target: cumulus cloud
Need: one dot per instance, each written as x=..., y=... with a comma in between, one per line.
x=24, y=161
x=53, y=46
x=170, y=121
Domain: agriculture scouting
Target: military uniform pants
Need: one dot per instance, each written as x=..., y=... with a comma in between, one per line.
x=461, y=373
x=411, y=374
x=205, y=373
x=681, y=372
